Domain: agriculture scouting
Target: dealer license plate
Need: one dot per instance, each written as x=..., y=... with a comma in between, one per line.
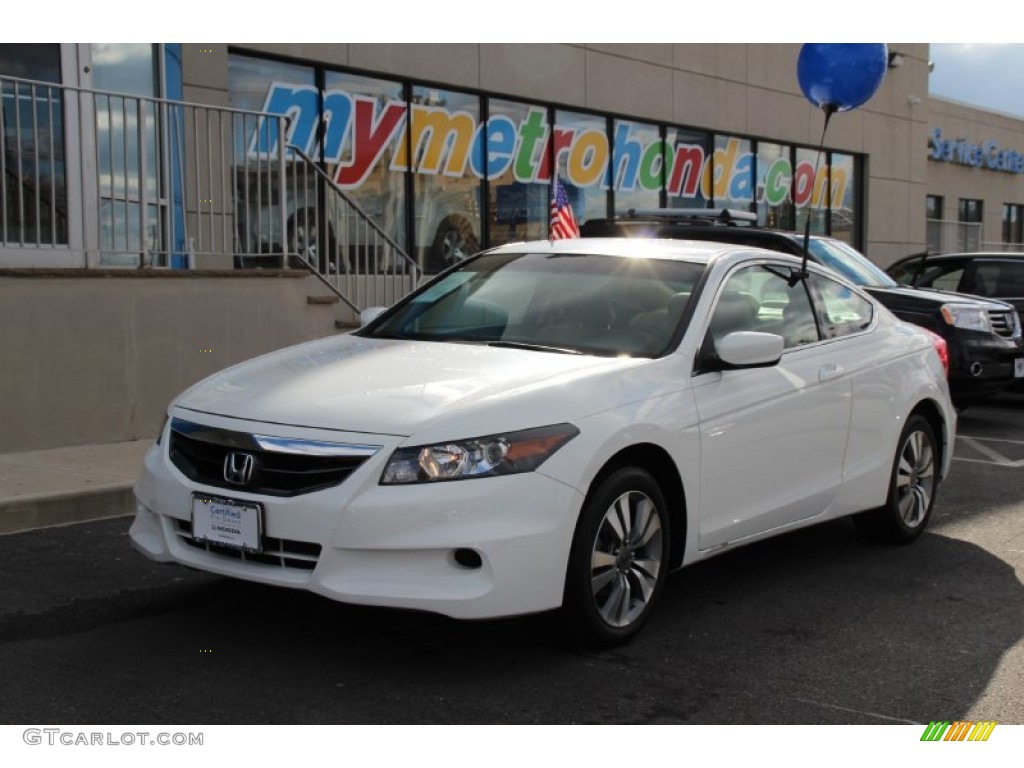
x=1018, y=367
x=226, y=522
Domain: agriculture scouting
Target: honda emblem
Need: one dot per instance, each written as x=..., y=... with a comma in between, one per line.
x=238, y=468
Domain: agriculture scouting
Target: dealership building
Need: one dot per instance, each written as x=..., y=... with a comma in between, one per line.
x=159, y=199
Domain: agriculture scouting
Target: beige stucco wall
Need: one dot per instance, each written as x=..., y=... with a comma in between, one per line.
x=97, y=359
x=953, y=181
x=750, y=89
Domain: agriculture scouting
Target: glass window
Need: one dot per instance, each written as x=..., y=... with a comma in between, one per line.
x=685, y=182
x=127, y=68
x=842, y=198
x=810, y=191
x=592, y=304
x=1013, y=223
x=442, y=141
x=372, y=172
x=760, y=298
x=969, y=216
x=774, y=180
x=946, y=278
x=638, y=165
x=581, y=154
x=933, y=207
x=969, y=210
x=287, y=89
x=845, y=312
x=516, y=136
x=732, y=176
x=32, y=163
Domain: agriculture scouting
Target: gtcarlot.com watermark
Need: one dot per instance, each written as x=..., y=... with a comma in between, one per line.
x=60, y=737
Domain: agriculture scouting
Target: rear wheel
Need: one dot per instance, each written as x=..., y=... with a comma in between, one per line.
x=912, y=485
x=619, y=559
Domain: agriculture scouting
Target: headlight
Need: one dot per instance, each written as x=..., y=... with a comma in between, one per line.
x=505, y=454
x=964, y=316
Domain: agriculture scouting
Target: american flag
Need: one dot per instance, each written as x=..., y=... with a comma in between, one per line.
x=563, y=223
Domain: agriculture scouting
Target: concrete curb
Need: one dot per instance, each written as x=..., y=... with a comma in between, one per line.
x=45, y=510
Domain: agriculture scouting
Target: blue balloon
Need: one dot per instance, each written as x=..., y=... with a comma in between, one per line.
x=841, y=76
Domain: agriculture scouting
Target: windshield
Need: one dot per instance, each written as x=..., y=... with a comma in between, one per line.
x=850, y=263
x=569, y=303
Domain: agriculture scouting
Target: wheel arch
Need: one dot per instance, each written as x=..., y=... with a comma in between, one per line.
x=933, y=414
x=655, y=460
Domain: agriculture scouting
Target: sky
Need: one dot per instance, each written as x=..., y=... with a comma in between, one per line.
x=986, y=75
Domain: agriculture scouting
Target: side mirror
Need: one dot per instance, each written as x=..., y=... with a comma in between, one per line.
x=750, y=349
x=369, y=314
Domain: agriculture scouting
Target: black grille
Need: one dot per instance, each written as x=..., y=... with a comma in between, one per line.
x=1003, y=324
x=200, y=453
x=283, y=553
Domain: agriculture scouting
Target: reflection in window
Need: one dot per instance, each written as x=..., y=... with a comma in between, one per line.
x=638, y=165
x=732, y=175
x=441, y=137
x=685, y=177
x=843, y=197
x=845, y=313
x=32, y=163
x=1013, y=223
x=127, y=149
x=269, y=86
x=810, y=191
x=581, y=161
x=516, y=135
x=774, y=180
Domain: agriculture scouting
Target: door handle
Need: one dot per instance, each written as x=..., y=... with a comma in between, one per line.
x=829, y=371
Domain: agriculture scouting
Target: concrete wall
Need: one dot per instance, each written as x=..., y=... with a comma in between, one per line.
x=96, y=359
x=748, y=89
x=953, y=181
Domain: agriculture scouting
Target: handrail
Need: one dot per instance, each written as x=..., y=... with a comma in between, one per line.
x=369, y=219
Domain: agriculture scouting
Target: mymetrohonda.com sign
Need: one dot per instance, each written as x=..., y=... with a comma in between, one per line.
x=360, y=130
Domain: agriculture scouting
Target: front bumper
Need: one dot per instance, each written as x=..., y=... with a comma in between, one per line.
x=981, y=365
x=384, y=545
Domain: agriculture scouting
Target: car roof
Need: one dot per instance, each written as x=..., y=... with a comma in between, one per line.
x=698, y=251
x=934, y=257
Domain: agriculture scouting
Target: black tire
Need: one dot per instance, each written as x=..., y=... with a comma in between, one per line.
x=913, y=481
x=618, y=561
x=304, y=243
x=453, y=242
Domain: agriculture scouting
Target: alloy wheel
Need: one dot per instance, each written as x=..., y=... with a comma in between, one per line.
x=626, y=559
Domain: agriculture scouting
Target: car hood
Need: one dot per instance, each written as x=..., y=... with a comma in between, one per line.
x=937, y=296
x=395, y=387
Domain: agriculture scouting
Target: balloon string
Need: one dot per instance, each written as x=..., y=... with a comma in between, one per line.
x=830, y=109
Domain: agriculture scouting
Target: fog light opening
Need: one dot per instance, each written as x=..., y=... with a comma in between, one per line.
x=467, y=558
x=975, y=369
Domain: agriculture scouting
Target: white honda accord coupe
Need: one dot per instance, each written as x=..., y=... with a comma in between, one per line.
x=556, y=425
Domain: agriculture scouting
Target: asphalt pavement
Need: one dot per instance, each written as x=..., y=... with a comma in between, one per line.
x=815, y=627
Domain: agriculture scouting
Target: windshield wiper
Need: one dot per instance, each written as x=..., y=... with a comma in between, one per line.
x=534, y=347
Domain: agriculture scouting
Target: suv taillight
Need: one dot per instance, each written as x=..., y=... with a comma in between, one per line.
x=942, y=349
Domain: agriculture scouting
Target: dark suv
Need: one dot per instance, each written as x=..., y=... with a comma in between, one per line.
x=995, y=274
x=983, y=336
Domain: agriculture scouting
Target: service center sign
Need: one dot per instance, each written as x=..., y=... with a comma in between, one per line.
x=987, y=155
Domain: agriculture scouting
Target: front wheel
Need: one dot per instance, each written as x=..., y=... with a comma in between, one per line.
x=619, y=559
x=912, y=485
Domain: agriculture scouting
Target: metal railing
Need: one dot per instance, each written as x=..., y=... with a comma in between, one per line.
x=341, y=243
x=91, y=178
x=944, y=236
x=1001, y=247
